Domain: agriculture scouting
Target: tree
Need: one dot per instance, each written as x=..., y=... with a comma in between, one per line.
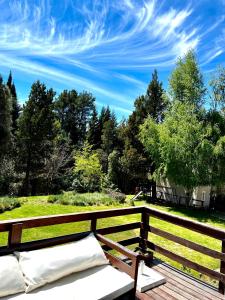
x=217, y=84
x=87, y=171
x=109, y=134
x=186, y=81
x=134, y=169
x=36, y=133
x=93, y=134
x=15, y=105
x=73, y=111
x=179, y=146
x=5, y=118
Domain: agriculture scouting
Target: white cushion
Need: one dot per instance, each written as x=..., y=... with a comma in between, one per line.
x=97, y=283
x=46, y=265
x=11, y=277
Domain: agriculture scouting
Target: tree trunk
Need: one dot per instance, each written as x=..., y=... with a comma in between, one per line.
x=26, y=188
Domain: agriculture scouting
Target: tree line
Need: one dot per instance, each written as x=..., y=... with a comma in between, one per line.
x=57, y=143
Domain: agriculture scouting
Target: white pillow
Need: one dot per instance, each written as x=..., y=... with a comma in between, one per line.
x=46, y=265
x=11, y=277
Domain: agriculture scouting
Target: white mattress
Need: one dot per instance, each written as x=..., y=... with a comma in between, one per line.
x=104, y=282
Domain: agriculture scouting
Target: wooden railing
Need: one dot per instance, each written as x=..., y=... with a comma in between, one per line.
x=194, y=226
x=15, y=230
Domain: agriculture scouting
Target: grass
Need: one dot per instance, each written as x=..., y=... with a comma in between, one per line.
x=39, y=206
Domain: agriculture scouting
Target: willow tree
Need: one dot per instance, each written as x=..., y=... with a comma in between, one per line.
x=179, y=146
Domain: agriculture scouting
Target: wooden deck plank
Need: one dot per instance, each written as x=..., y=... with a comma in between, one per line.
x=194, y=282
x=179, y=286
x=193, y=291
x=164, y=294
x=171, y=292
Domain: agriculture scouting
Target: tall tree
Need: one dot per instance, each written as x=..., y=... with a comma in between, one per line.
x=74, y=112
x=15, y=105
x=36, y=132
x=109, y=134
x=93, y=134
x=186, y=81
x=5, y=118
x=217, y=84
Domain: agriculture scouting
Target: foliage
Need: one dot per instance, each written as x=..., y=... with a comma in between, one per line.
x=186, y=81
x=179, y=146
x=109, y=135
x=15, y=105
x=36, y=133
x=5, y=118
x=73, y=110
x=87, y=199
x=7, y=203
x=217, y=84
x=87, y=171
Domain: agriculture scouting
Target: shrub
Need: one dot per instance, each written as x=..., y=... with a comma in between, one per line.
x=86, y=199
x=7, y=203
x=116, y=195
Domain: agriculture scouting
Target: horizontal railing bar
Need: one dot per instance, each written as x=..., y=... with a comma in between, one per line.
x=187, y=243
x=186, y=262
x=116, y=246
x=69, y=218
x=187, y=223
x=118, y=228
x=127, y=242
x=34, y=245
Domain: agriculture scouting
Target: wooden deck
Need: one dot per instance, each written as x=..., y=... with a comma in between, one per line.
x=179, y=286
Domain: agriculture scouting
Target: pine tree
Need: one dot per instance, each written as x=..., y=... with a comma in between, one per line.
x=9, y=81
x=155, y=101
x=73, y=111
x=109, y=134
x=15, y=105
x=93, y=130
x=36, y=133
x=5, y=118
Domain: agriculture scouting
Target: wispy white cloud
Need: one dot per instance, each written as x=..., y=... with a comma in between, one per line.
x=87, y=42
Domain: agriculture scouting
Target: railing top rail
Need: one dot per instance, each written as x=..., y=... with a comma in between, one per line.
x=69, y=218
x=187, y=223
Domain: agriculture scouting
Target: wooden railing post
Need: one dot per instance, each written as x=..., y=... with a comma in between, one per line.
x=222, y=270
x=93, y=224
x=144, y=230
x=15, y=234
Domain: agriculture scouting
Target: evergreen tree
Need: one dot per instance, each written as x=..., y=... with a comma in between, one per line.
x=15, y=104
x=9, y=81
x=5, y=118
x=94, y=130
x=36, y=133
x=109, y=134
x=73, y=111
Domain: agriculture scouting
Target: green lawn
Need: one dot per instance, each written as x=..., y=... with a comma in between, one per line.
x=38, y=206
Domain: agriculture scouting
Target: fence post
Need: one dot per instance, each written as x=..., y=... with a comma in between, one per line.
x=15, y=234
x=222, y=270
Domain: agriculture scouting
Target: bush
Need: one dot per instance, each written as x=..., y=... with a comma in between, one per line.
x=7, y=203
x=120, y=197
x=86, y=199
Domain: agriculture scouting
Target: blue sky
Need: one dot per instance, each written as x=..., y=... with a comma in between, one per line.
x=107, y=47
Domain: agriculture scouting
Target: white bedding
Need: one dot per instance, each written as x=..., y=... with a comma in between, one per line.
x=103, y=282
